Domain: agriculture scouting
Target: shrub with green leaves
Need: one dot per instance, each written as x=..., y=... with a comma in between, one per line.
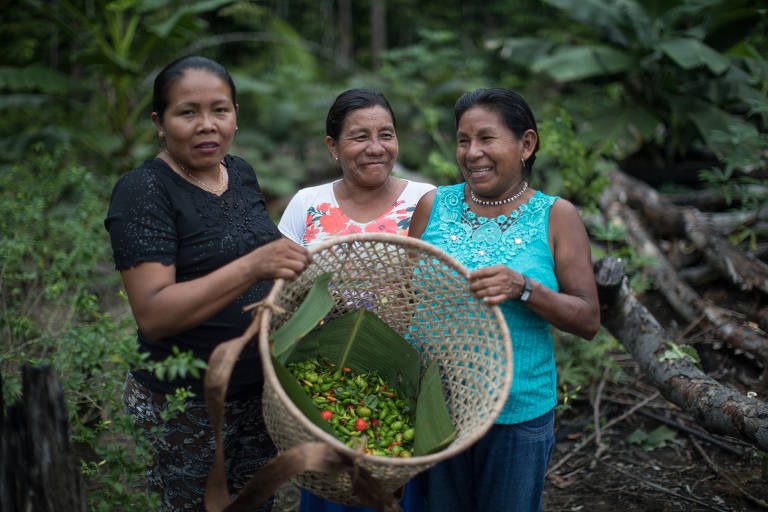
x=56, y=281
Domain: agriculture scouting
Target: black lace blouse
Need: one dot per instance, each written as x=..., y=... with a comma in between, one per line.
x=157, y=216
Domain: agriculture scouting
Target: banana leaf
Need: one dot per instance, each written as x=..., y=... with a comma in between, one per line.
x=434, y=428
x=362, y=342
x=316, y=305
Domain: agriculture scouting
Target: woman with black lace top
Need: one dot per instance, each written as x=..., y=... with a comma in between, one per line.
x=194, y=244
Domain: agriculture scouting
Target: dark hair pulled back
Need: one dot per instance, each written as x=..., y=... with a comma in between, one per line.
x=350, y=100
x=513, y=109
x=174, y=71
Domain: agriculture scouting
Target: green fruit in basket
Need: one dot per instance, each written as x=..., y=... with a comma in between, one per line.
x=356, y=405
x=409, y=434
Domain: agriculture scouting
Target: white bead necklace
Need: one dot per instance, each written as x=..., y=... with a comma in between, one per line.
x=500, y=201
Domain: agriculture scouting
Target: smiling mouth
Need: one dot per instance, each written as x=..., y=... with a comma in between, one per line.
x=207, y=145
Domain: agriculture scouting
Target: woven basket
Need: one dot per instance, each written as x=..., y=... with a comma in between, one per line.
x=423, y=294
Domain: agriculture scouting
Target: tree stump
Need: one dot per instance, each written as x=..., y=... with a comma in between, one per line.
x=37, y=468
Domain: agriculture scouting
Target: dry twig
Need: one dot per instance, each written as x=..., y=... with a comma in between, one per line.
x=608, y=425
x=596, y=415
x=726, y=476
x=655, y=486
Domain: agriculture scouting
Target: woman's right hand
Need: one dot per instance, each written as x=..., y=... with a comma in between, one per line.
x=282, y=258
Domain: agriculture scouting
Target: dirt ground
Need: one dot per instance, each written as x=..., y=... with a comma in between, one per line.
x=694, y=471
x=684, y=468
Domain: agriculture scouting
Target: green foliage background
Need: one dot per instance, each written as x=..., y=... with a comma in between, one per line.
x=609, y=80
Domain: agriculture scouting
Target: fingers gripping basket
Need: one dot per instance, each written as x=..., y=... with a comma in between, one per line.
x=422, y=293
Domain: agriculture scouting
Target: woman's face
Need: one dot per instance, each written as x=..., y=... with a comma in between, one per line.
x=200, y=121
x=367, y=146
x=489, y=153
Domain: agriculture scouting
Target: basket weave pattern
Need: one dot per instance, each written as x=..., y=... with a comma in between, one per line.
x=423, y=294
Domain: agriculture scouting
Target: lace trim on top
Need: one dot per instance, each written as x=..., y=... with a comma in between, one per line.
x=479, y=238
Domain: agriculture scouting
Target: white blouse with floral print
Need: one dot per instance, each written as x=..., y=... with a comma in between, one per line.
x=313, y=215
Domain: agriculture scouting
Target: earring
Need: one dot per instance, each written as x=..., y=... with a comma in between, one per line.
x=237, y=127
x=522, y=162
x=336, y=157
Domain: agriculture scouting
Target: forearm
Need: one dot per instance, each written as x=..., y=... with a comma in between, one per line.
x=181, y=306
x=164, y=307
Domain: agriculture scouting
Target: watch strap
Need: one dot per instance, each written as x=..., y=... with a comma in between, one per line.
x=527, y=288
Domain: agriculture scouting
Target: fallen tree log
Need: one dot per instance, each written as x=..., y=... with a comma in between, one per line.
x=716, y=407
x=714, y=200
x=685, y=300
x=669, y=219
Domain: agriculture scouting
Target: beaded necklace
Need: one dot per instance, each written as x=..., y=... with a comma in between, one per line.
x=500, y=201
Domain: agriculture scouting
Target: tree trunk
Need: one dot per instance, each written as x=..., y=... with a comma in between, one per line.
x=37, y=469
x=378, y=30
x=718, y=408
x=344, y=53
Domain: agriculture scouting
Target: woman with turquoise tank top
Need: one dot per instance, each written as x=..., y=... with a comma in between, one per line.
x=529, y=253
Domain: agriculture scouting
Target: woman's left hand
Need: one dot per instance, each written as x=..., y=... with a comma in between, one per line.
x=496, y=284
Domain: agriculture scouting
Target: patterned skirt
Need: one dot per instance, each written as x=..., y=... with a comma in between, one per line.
x=183, y=447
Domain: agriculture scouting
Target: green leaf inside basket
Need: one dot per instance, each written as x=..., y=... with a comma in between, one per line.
x=434, y=428
x=314, y=307
x=361, y=341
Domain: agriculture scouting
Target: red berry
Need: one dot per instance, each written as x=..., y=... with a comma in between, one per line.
x=327, y=415
x=361, y=424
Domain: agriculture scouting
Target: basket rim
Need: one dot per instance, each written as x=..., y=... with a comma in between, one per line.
x=319, y=433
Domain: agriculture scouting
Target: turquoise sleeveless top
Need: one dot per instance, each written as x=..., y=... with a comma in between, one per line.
x=520, y=241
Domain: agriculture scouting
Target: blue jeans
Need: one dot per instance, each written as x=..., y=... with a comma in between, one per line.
x=503, y=472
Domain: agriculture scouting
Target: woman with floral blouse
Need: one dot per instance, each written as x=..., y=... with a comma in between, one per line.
x=361, y=136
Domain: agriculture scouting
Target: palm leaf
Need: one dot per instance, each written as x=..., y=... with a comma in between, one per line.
x=434, y=428
x=316, y=305
x=362, y=342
